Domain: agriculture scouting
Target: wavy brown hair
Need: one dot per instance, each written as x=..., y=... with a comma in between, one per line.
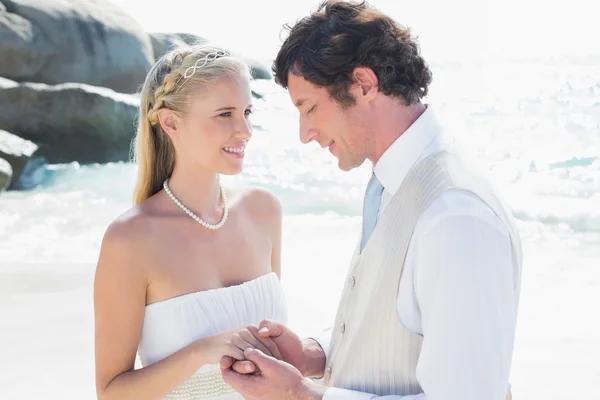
x=326, y=46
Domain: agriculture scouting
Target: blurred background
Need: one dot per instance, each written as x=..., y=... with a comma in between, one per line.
x=516, y=82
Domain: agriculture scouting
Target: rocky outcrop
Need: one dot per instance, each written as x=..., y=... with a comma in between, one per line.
x=68, y=74
x=93, y=42
x=70, y=122
x=23, y=46
x=27, y=166
x=5, y=174
x=163, y=42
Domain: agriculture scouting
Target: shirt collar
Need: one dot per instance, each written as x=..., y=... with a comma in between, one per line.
x=393, y=166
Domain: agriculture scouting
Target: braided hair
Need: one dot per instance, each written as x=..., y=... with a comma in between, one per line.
x=169, y=84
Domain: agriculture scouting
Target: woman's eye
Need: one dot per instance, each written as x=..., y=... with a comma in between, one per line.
x=225, y=114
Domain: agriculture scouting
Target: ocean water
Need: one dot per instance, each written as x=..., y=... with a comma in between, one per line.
x=533, y=126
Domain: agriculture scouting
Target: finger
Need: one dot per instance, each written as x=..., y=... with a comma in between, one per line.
x=267, y=342
x=238, y=381
x=226, y=362
x=274, y=349
x=240, y=343
x=234, y=351
x=261, y=360
x=270, y=328
x=256, y=341
x=244, y=367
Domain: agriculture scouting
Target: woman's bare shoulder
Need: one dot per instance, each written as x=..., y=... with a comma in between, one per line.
x=260, y=203
x=126, y=237
x=129, y=226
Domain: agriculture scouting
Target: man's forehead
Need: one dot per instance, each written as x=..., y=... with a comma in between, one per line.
x=300, y=89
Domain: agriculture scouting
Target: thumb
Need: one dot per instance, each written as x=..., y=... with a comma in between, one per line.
x=270, y=328
x=226, y=362
x=260, y=359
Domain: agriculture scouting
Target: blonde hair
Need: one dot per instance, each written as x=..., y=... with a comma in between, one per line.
x=169, y=84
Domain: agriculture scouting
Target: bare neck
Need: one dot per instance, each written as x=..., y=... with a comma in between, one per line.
x=390, y=120
x=199, y=191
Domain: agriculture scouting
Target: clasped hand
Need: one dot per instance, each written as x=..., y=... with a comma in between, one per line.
x=272, y=369
x=231, y=347
x=271, y=338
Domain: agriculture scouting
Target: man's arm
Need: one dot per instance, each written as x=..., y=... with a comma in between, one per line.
x=464, y=285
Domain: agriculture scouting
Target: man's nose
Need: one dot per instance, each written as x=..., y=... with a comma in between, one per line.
x=307, y=132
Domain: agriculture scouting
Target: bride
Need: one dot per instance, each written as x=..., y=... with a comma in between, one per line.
x=191, y=264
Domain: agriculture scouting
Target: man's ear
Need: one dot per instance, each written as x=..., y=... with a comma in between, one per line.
x=168, y=122
x=367, y=82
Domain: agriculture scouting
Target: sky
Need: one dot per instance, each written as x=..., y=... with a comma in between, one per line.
x=448, y=30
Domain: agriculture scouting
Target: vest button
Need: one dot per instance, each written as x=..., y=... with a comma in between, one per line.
x=329, y=370
x=352, y=281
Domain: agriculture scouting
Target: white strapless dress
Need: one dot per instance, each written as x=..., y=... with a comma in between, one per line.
x=172, y=324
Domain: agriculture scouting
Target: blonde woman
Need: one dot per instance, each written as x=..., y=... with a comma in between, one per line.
x=191, y=264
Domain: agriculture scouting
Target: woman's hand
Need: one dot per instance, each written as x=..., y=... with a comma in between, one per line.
x=233, y=344
x=304, y=354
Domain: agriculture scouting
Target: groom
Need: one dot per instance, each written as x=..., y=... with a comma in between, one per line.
x=429, y=307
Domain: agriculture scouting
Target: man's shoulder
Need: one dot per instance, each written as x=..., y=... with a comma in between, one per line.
x=458, y=206
x=471, y=191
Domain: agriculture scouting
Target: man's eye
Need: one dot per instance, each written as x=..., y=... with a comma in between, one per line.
x=311, y=109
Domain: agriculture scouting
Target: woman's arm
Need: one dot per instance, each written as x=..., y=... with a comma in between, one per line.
x=119, y=302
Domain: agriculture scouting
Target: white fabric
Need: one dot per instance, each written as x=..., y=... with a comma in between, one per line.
x=175, y=323
x=444, y=271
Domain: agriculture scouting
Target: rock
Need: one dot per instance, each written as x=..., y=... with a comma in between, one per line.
x=58, y=41
x=28, y=168
x=163, y=42
x=71, y=121
x=259, y=71
x=16, y=150
x=34, y=174
x=5, y=174
x=24, y=47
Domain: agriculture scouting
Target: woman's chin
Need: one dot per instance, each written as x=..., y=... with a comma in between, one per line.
x=231, y=169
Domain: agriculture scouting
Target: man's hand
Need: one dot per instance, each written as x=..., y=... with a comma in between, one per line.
x=304, y=354
x=241, y=340
x=276, y=380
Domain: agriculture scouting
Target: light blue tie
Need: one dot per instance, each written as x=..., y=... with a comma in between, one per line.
x=370, y=209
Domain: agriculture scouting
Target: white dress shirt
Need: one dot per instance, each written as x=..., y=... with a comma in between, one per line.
x=458, y=284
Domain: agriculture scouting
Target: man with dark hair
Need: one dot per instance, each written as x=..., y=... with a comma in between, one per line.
x=429, y=308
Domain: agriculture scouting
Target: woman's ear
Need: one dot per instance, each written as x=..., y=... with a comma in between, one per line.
x=168, y=122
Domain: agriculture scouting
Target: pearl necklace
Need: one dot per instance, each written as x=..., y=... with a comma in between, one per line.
x=194, y=216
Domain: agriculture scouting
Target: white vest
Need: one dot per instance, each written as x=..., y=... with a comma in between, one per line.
x=370, y=350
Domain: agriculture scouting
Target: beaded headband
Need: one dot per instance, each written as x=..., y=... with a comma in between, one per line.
x=201, y=63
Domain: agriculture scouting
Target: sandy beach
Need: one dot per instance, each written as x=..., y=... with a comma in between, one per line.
x=47, y=316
